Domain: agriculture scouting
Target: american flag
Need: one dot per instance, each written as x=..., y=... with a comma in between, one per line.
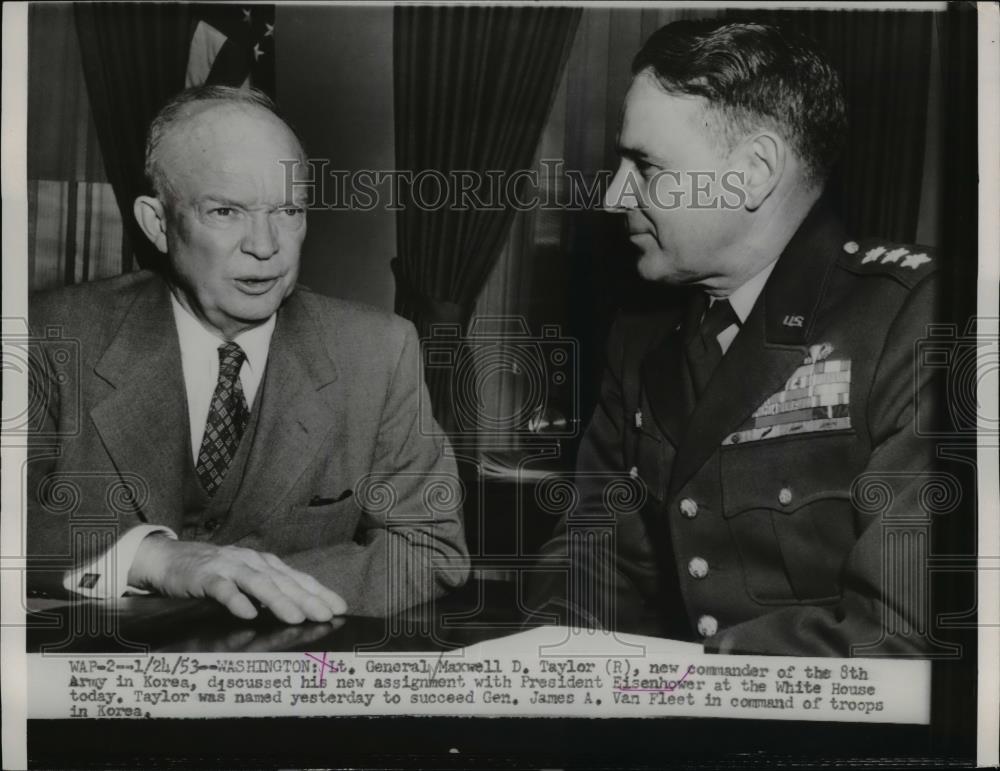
x=233, y=45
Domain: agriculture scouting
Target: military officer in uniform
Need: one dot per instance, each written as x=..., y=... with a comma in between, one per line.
x=768, y=422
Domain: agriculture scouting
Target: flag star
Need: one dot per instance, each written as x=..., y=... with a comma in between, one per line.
x=270, y=30
x=246, y=15
x=915, y=260
x=257, y=51
x=873, y=254
x=894, y=255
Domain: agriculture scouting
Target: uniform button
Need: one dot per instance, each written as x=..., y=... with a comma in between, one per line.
x=633, y=472
x=785, y=496
x=697, y=567
x=707, y=626
x=689, y=508
x=211, y=525
x=851, y=247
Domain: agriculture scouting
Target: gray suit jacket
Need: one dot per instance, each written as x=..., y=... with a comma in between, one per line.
x=339, y=411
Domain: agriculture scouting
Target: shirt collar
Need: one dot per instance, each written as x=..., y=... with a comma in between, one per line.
x=255, y=342
x=745, y=296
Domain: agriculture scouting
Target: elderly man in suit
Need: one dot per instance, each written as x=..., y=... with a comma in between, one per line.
x=224, y=433
x=767, y=423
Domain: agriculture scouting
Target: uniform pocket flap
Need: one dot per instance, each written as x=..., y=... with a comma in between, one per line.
x=785, y=475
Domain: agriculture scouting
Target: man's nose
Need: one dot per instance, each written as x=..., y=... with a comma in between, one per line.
x=620, y=196
x=261, y=240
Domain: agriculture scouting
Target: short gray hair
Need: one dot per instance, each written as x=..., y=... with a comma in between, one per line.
x=173, y=112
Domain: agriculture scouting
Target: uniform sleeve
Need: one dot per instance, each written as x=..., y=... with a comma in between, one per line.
x=581, y=578
x=411, y=546
x=884, y=606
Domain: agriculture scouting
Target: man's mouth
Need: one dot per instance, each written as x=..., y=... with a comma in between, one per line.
x=256, y=285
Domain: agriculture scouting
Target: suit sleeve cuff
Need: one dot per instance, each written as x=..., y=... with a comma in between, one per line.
x=107, y=576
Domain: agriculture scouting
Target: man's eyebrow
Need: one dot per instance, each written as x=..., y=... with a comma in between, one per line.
x=219, y=199
x=635, y=153
x=222, y=200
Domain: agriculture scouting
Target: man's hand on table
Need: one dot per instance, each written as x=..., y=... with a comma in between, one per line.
x=233, y=576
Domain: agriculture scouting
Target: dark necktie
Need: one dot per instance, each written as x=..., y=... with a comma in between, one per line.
x=227, y=418
x=704, y=352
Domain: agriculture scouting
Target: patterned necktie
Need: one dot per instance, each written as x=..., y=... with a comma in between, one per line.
x=227, y=418
x=704, y=352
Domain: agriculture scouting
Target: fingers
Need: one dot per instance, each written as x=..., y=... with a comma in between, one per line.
x=333, y=600
x=316, y=601
x=314, y=608
x=227, y=593
x=238, y=577
x=263, y=588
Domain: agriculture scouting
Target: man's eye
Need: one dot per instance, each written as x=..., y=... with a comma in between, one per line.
x=222, y=211
x=644, y=168
x=293, y=211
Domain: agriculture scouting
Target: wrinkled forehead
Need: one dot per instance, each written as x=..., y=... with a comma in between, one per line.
x=229, y=141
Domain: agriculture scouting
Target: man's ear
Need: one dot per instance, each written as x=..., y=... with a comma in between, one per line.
x=152, y=218
x=765, y=158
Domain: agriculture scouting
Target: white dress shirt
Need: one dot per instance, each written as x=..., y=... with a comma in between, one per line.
x=107, y=576
x=743, y=299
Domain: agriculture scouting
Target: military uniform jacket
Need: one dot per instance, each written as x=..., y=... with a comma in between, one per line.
x=761, y=516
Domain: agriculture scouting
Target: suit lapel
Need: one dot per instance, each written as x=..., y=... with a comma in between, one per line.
x=143, y=419
x=772, y=343
x=298, y=410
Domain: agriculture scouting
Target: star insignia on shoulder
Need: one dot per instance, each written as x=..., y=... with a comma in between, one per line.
x=915, y=260
x=873, y=254
x=891, y=260
x=894, y=255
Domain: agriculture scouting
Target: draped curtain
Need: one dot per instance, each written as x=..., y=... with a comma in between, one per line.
x=134, y=58
x=473, y=87
x=567, y=267
x=959, y=157
x=884, y=61
x=74, y=226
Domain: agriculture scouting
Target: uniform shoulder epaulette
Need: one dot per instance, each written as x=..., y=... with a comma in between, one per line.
x=906, y=263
